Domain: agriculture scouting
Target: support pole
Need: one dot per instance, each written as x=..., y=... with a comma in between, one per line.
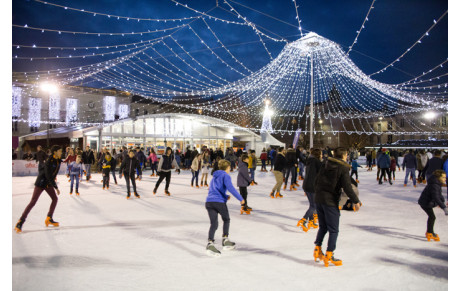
x=311, y=101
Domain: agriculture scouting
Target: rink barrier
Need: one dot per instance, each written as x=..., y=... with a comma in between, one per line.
x=28, y=168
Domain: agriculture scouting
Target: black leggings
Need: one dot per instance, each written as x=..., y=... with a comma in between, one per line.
x=244, y=194
x=163, y=175
x=133, y=180
x=431, y=219
x=354, y=172
x=213, y=209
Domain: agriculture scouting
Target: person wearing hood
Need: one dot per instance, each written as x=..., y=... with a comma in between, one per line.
x=216, y=203
x=432, y=197
x=165, y=166
x=128, y=169
x=46, y=181
x=312, y=166
x=332, y=177
x=243, y=181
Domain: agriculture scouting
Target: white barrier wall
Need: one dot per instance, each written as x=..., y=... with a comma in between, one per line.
x=29, y=168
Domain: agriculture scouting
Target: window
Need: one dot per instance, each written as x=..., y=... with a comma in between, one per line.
x=137, y=112
x=401, y=122
x=379, y=139
x=390, y=125
x=390, y=139
x=444, y=121
x=379, y=127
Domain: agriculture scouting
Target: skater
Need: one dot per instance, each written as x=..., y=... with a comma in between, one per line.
x=142, y=159
x=108, y=163
x=40, y=157
x=433, y=164
x=354, y=169
x=432, y=197
x=392, y=168
x=166, y=164
x=422, y=159
x=216, y=203
x=76, y=170
x=71, y=157
x=253, y=166
x=280, y=164
x=88, y=160
x=383, y=163
x=332, y=177
x=177, y=157
x=312, y=166
x=369, y=161
x=196, y=167
x=128, y=168
x=243, y=181
x=263, y=159
x=301, y=161
x=206, y=162
x=291, y=165
x=410, y=163
x=153, y=162
x=45, y=182
x=272, y=158
x=28, y=156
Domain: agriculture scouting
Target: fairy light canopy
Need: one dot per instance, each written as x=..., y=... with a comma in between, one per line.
x=188, y=62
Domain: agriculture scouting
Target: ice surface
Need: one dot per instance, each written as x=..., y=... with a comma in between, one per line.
x=106, y=242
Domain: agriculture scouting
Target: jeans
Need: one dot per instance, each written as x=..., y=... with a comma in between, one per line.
x=328, y=218
x=412, y=172
x=301, y=168
x=213, y=209
x=195, y=176
x=77, y=180
x=37, y=192
x=114, y=175
x=253, y=173
x=312, y=209
x=155, y=168
x=137, y=171
x=292, y=171
x=88, y=170
x=354, y=172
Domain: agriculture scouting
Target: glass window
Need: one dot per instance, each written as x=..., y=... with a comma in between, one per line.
x=159, y=126
x=128, y=127
x=167, y=131
x=188, y=129
x=116, y=128
x=179, y=127
x=92, y=132
x=106, y=129
x=139, y=126
x=149, y=126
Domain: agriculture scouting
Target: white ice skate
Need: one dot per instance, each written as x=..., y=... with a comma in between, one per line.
x=227, y=245
x=211, y=250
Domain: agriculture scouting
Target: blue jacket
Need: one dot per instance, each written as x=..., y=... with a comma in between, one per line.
x=355, y=165
x=76, y=169
x=383, y=161
x=220, y=183
x=446, y=168
x=409, y=161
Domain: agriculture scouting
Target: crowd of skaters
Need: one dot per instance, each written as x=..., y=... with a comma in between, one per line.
x=327, y=177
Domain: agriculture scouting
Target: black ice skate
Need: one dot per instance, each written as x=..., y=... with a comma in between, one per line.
x=211, y=250
x=227, y=244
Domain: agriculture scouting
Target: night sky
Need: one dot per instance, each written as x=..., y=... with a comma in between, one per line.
x=392, y=28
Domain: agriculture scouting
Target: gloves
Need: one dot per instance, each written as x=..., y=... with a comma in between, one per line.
x=445, y=211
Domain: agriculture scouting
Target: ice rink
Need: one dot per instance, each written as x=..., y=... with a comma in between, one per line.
x=106, y=242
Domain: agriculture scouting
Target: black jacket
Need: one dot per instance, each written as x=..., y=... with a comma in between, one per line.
x=312, y=167
x=433, y=164
x=291, y=158
x=129, y=166
x=41, y=157
x=87, y=157
x=48, y=173
x=432, y=194
x=280, y=162
x=332, y=177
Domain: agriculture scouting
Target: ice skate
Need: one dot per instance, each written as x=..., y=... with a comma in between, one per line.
x=249, y=208
x=18, y=227
x=255, y=182
x=167, y=193
x=303, y=224
x=292, y=188
x=252, y=183
x=405, y=185
x=357, y=181
x=278, y=194
x=206, y=184
x=137, y=195
x=284, y=187
x=245, y=210
x=415, y=186
x=329, y=258
x=272, y=195
x=296, y=184
x=191, y=185
x=70, y=192
x=154, y=191
x=318, y=254
x=201, y=184
x=153, y=175
x=128, y=195
x=227, y=244
x=211, y=250
x=197, y=186
x=116, y=183
x=432, y=236
x=49, y=220
x=77, y=193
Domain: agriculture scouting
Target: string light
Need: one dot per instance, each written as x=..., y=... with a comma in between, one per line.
x=109, y=108
x=123, y=111
x=54, y=107
x=362, y=26
x=71, y=110
x=16, y=102
x=35, y=107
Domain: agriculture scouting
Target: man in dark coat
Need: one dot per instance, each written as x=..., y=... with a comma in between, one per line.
x=40, y=157
x=332, y=177
x=291, y=166
x=410, y=163
x=435, y=163
x=88, y=159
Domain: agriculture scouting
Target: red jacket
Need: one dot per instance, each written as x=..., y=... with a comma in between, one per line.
x=263, y=156
x=393, y=165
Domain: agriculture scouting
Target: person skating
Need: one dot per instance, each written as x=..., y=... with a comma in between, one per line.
x=88, y=160
x=177, y=157
x=216, y=203
x=243, y=181
x=332, y=177
x=252, y=166
x=128, y=169
x=280, y=164
x=312, y=166
x=166, y=165
x=433, y=164
x=354, y=169
x=392, y=168
x=76, y=170
x=71, y=157
x=422, y=160
x=196, y=167
x=383, y=163
x=153, y=162
x=206, y=163
x=263, y=159
x=40, y=157
x=45, y=182
x=107, y=164
x=410, y=163
x=432, y=197
x=142, y=159
x=291, y=165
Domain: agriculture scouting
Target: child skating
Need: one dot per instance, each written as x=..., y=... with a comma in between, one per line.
x=216, y=203
x=430, y=198
x=243, y=181
x=354, y=169
x=76, y=170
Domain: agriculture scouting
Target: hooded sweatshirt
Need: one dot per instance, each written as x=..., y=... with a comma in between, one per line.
x=432, y=194
x=220, y=183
